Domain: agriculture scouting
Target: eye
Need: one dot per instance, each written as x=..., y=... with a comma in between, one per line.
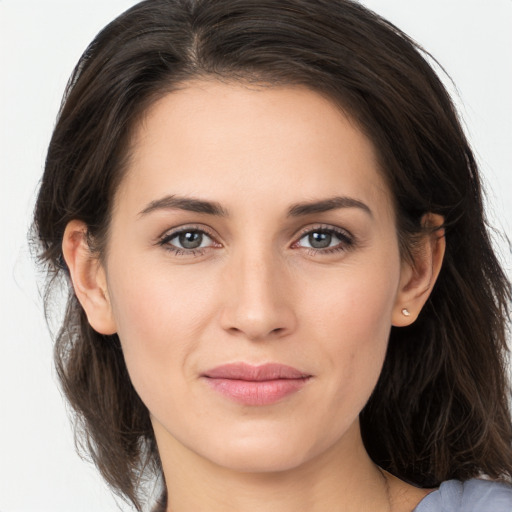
x=319, y=240
x=187, y=241
x=190, y=240
x=325, y=240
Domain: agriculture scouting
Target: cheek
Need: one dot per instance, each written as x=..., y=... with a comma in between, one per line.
x=355, y=302
x=157, y=303
x=350, y=320
x=167, y=314
x=159, y=316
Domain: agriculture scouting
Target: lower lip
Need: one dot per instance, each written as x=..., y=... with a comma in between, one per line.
x=250, y=392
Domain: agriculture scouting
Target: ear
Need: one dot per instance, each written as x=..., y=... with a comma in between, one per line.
x=88, y=278
x=418, y=277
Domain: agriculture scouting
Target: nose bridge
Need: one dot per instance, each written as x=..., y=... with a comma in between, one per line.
x=258, y=304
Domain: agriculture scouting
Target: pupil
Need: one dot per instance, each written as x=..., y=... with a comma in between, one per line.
x=191, y=239
x=320, y=240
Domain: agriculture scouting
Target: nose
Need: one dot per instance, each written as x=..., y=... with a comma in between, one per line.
x=259, y=300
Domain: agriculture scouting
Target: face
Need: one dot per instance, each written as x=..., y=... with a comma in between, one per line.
x=253, y=273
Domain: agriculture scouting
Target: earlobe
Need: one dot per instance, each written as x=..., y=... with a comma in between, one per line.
x=88, y=278
x=419, y=276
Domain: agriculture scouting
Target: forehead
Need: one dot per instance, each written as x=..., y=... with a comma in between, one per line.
x=277, y=144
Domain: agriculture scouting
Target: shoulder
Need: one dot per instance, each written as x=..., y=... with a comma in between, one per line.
x=470, y=496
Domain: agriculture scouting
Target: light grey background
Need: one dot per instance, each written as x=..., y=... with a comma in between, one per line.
x=40, y=41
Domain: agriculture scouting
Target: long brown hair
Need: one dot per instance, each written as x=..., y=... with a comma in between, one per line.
x=441, y=407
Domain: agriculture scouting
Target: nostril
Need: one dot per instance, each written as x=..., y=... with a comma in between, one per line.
x=251, y=313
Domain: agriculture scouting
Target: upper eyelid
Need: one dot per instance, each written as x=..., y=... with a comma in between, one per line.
x=322, y=227
x=164, y=240
x=172, y=232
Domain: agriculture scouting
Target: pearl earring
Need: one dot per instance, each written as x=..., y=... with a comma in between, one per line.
x=406, y=312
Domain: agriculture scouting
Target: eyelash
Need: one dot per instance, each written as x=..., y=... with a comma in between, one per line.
x=165, y=241
x=346, y=241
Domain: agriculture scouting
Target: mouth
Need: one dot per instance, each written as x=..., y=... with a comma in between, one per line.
x=256, y=385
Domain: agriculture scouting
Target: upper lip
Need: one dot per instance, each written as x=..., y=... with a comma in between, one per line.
x=244, y=371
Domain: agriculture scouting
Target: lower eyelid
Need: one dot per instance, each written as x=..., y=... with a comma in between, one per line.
x=178, y=251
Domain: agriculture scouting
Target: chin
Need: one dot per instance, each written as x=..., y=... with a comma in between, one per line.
x=261, y=454
x=260, y=460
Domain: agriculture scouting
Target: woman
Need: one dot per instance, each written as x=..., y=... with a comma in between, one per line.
x=279, y=272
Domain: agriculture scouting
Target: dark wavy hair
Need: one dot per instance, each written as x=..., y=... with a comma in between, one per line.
x=441, y=407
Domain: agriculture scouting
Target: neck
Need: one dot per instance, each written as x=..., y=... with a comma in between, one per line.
x=342, y=478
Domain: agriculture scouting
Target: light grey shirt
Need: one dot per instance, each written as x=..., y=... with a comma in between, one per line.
x=470, y=496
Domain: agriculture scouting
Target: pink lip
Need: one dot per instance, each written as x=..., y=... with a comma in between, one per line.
x=255, y=385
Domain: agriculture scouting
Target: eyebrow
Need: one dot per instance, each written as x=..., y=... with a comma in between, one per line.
x=326, y=205
x=189, y=204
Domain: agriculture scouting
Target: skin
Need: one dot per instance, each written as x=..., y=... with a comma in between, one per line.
x=256, y=292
